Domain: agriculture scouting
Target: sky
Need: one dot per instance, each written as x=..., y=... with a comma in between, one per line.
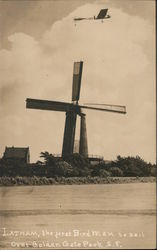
x=38, y=46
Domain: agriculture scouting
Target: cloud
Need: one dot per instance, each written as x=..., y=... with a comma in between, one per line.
x=142, y=9
x=32, y=17
x=117, y=69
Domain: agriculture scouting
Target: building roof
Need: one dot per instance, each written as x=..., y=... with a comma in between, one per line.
x=14, y=152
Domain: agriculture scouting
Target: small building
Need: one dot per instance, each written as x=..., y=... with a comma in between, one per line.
x=18, y=154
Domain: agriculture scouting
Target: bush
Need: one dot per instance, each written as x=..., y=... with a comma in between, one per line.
x=153, y=171
x=104, y=173
x=133, y=166
x=52, y=181
x=76, y=166
x=115, y=171
x=63, y=168
x=77, y=160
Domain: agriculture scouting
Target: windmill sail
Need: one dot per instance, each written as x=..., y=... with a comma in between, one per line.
x=47, y=105
x=77, y=74
x=106, y=107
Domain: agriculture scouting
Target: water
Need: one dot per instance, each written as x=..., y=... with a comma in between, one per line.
x=78, y=216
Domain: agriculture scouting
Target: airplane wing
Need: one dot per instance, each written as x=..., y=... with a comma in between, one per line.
x=102, y=14
x=79, y=18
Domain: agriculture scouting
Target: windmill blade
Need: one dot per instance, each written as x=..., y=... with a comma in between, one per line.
x=47, y=105
x=105, y=105
x=107, y=108
x=102, y=14
x=77, y=74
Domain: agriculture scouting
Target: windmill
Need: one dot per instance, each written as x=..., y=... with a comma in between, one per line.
x=73, y=110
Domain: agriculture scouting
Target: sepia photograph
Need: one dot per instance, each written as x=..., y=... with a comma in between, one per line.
x=77, y=124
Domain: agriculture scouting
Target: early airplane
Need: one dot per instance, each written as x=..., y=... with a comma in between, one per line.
x=101, y=16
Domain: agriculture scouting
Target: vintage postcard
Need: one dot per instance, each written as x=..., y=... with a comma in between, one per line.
x=78, y=124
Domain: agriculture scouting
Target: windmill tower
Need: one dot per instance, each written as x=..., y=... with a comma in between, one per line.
x=73, y=110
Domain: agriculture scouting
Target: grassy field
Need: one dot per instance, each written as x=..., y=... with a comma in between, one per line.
x=123, y=214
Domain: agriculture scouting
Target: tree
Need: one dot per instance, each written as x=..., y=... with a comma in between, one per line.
x=104, y=173
x=81, y=165
x=63, y=168
x=133, y=166
x=49, y=159
x=115, y=171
